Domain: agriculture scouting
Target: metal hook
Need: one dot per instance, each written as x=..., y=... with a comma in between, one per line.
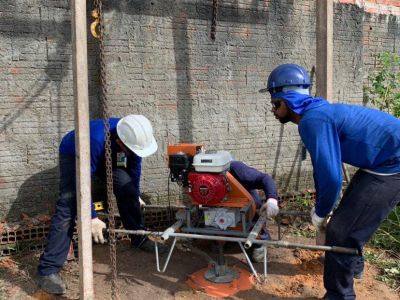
x=95, y=23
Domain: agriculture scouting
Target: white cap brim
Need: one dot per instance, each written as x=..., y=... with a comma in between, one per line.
x=149, y=150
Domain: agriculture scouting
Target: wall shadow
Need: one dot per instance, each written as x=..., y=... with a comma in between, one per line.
x=38, y=193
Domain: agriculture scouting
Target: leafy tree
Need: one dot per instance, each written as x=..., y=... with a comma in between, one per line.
x=383, y=90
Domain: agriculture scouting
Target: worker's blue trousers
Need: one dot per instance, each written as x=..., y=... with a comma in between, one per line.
x=63, y=221
x=365, y=204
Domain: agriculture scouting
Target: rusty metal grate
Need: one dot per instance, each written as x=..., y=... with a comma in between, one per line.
x=33, y=237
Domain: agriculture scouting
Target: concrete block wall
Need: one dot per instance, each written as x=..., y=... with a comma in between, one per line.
x=198, y=90
x=162, y=63
x=382, y=33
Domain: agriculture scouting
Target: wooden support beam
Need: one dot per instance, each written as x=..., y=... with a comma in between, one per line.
x=324, y=69
x=82, y=143
x=324, y=32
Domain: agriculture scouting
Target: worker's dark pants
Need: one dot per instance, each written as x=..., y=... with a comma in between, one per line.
x=365, y=204
x=63, y=221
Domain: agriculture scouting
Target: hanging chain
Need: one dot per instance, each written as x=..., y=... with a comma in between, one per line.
x=110, y=193
x=214, y=19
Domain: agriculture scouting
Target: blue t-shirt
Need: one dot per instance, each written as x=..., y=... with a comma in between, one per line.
x=97, y=151
x=360, y=136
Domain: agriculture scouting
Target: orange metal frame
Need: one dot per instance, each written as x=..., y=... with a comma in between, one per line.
x=191, y=149
x=237, y=196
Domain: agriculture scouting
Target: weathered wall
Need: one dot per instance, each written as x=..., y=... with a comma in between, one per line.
x=162, y=63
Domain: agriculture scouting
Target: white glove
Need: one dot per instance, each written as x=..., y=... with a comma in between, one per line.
x=142, y=203
x=270, y=208
x=318, y=222
x=97, y=230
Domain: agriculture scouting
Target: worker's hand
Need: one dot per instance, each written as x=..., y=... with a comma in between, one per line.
x=270, y=208
x=97, y=230
x=318, y=222
x=142, y=203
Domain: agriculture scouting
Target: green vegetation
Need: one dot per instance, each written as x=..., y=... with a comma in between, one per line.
x=303, y=233
x=388, y=264
x=387, y=239
x=383, y=89
x=303, y=202
x=298, y=225
x=388, y=235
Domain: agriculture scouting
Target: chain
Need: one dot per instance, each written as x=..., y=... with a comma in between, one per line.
x=214, y=19
x=110, y=193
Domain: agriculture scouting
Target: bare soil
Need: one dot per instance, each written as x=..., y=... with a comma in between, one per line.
x=292, y=274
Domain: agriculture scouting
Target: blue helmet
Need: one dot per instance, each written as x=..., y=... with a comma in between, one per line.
x=287, y=75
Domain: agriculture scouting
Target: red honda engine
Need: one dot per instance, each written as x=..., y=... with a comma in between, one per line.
x=207, y=188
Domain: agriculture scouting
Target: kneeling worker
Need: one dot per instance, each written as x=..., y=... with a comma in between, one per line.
x=252, y=180
x=131, y=140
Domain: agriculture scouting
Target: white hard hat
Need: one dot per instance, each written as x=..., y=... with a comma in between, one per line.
x=136, y=132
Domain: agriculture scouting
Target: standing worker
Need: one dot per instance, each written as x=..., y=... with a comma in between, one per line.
x=334, y=133
x=131, y=140
x=252, y=180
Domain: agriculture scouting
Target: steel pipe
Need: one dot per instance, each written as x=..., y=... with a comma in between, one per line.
x=166, y=234
x=282, y=244
x=254, y=232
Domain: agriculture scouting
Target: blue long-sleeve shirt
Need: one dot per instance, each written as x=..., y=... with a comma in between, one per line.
x=360, y=136
x=252, y=179
x=97, y=151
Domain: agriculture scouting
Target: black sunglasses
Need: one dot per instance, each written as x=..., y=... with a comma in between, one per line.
x=276, y=104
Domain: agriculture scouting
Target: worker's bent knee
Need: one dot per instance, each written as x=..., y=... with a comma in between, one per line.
x=63, y=224
x=128, y=191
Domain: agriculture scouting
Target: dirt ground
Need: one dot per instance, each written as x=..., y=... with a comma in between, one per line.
x=292, y=274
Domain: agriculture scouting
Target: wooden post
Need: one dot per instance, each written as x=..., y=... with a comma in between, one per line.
x=324, y=70
x=82, y=143
x=324, y=32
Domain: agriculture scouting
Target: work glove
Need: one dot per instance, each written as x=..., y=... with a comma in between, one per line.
x=97, y=230
x=318, y=222
x=142, y=203
x=270, y=208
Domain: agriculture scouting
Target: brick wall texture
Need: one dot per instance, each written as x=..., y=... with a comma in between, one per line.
x=161, y=62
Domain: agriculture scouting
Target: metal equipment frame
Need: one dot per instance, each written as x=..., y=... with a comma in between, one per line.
x=243, y=242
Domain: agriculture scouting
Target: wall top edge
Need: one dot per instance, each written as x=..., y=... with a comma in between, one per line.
x=382, y=7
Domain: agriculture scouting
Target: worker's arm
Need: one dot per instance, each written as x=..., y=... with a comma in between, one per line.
x=252, y=179
x=321, y=140
x=96, y=157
